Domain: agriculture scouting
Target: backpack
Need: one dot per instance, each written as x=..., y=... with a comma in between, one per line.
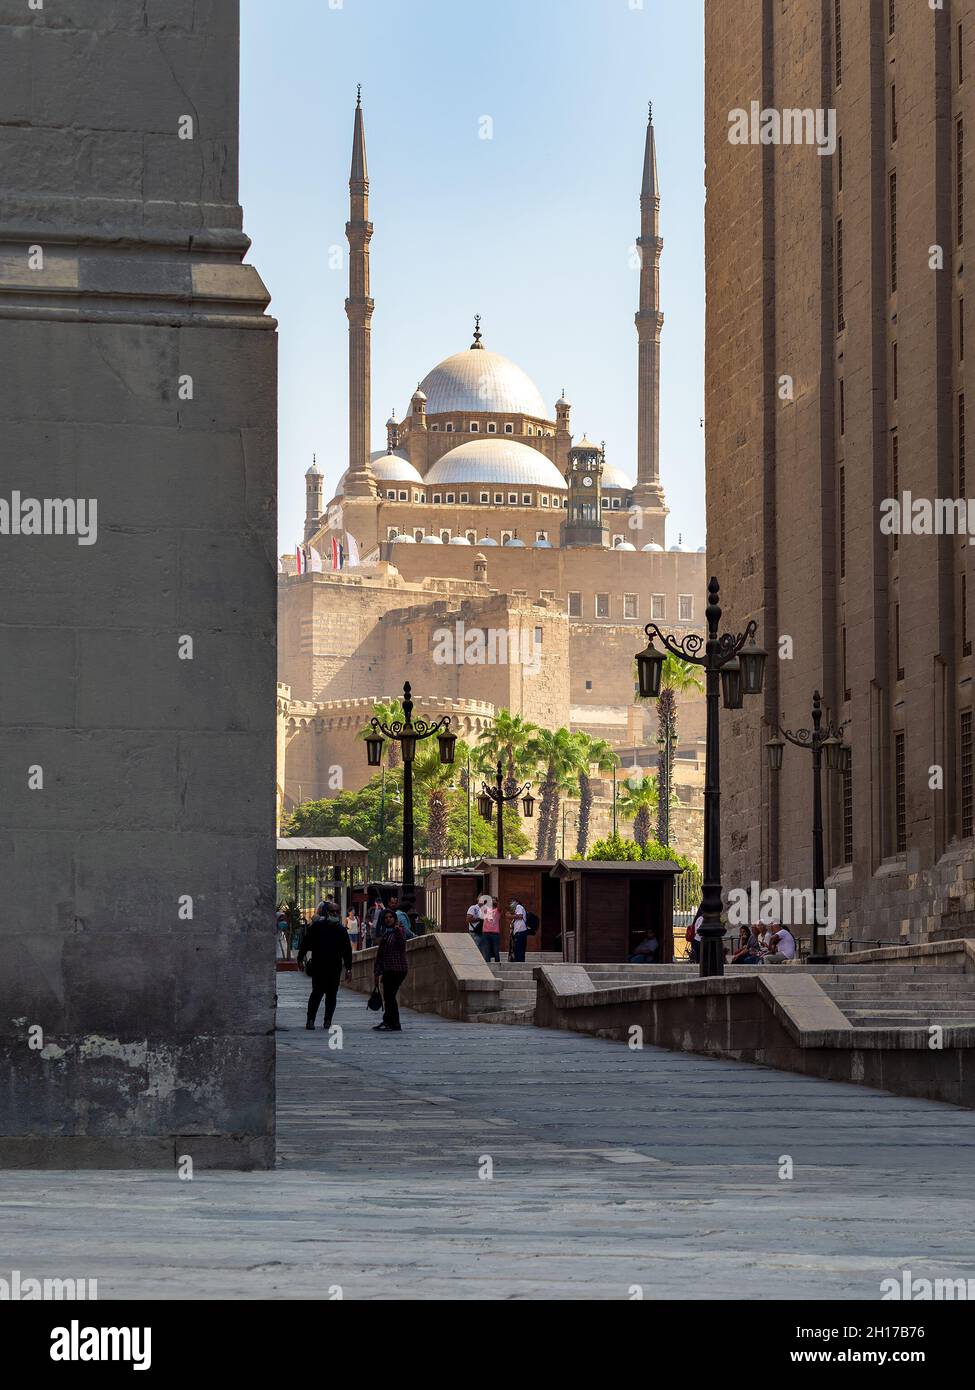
x=533, y=923
x=689, y=934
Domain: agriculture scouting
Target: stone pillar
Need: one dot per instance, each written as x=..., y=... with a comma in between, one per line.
x=137, y=740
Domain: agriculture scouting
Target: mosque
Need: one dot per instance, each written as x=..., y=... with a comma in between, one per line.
x=482, y=508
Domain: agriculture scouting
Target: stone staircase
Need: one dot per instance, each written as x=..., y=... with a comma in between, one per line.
x=518, y=986
x=893, y=995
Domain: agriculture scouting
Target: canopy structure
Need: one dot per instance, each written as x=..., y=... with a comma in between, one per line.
x=327, y=867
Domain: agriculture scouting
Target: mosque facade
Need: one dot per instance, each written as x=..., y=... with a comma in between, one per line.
x=483, y=508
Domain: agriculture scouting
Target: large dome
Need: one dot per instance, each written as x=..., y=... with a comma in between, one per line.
x=496, y=460
x=478, y=380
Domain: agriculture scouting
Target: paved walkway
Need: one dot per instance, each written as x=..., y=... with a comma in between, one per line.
x=611, y=1169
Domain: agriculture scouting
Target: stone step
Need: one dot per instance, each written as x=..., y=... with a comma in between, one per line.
x=510, y=1016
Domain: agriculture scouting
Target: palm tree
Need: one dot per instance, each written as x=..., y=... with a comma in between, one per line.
x=560, y=756
x=506, y=741
x=390, y=713
x=600, y=755
x=431, y=777
x=640, y=798
x=678, y=678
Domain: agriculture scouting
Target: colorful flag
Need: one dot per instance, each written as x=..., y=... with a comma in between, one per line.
x=299, y=561
x=338, y=554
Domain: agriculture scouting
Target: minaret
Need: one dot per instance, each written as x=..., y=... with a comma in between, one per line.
x=314, y=500
x=649, y=322
x=359, y=481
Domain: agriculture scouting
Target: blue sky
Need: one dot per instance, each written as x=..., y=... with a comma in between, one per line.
x=532, y=229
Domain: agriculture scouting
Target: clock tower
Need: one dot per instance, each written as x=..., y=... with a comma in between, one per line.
x=584, y=524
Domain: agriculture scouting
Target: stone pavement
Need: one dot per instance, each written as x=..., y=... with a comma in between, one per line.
x=611, y=1169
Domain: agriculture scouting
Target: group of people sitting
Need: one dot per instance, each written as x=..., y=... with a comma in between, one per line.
x=757, y=945
x=765, y=946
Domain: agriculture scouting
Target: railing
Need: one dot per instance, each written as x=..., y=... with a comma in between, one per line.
x=391, y=870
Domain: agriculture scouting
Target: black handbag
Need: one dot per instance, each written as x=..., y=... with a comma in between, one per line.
x=375, y=1001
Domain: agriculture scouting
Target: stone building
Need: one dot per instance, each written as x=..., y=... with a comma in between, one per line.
x=483, y=513
x=836, y=384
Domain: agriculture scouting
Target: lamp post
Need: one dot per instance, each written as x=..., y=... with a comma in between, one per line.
x=408, y=732
x=820, y=739
x=496, y=796
x=734, y=666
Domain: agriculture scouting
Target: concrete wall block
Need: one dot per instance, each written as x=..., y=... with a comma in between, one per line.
x=50, y=654
x=101, y=373
x=221, y=770
x=225, y=580
x=152, y=688
x=15, y=75
x=146, y=82
x=139, y=878
x=105, y=780
x=129, y=576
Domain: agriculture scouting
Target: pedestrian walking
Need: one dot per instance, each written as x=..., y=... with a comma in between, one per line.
x=352, y=927
x=327, y=943
x=390, y=970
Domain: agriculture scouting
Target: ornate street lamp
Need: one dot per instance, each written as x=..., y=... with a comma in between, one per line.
x=819, y=740
x=497, y=796
x=736, y=666
x=408, y=732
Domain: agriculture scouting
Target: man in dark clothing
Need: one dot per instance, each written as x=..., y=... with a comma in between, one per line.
x=328, y=944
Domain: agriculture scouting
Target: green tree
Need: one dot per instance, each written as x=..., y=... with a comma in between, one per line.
x=559, y=755
x=678, y=678
x=639, y=800
x=508, y=741
x=600, y=755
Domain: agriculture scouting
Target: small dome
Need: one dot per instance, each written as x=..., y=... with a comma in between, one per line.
x=615, y=480
x=387, y=468
x=543, y=545
x=515, y=544
x=459, y=540
x=403, y=539
x=486, y=540
x=624, y=545
x=587, y=445
x=431, y=540
x=702, y=550
x=314, y=471
x=497, y=460
x=563, y=402
x=653, y=546
x=482, y=381
x=419, y=395
x=392, y=420
x=677, y=550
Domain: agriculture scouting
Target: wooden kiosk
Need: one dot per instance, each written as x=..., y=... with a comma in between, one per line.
x=530, y=881
x=607, y=908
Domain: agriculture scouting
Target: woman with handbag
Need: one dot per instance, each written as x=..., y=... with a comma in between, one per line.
x=391, y=970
